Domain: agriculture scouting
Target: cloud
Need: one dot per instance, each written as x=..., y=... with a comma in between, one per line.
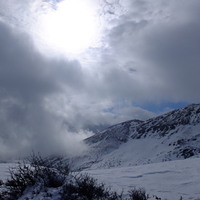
x=161, y=43
x=148, y=54
x=47, y=104
x=171, y=50
x=28, y=82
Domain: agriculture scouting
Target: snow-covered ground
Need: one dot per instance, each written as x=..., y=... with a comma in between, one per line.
x=167, y=180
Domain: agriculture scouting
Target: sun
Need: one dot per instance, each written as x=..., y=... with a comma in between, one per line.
x=71, y=27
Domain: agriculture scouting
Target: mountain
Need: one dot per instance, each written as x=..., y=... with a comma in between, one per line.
x=172, y=136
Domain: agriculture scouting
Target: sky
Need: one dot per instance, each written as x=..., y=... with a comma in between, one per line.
x=69, y=68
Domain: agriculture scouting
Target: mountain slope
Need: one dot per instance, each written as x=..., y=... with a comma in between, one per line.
x=171, y=136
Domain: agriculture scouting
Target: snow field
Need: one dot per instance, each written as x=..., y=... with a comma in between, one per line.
x=167, y=180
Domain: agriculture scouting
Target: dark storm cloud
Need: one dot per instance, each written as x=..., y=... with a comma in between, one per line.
x=25, y=73
x=26, y=80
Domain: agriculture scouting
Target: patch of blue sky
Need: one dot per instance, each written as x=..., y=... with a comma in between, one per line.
x=155, y=107
x=109, y=110
x=162, y=106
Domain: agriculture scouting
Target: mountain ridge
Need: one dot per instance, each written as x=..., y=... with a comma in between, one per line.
x=170, y=136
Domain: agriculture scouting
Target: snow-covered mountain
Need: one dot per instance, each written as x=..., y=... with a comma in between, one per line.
x=172, y=136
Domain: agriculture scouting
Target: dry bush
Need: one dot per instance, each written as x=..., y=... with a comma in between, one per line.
x=138, y=194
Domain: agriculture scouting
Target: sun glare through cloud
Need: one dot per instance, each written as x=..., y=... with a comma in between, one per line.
x=69, y=28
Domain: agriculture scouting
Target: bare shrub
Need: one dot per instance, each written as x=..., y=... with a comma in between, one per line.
x=85, y=187
x=44, y=173
x=138, y=194
x=32, y=171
